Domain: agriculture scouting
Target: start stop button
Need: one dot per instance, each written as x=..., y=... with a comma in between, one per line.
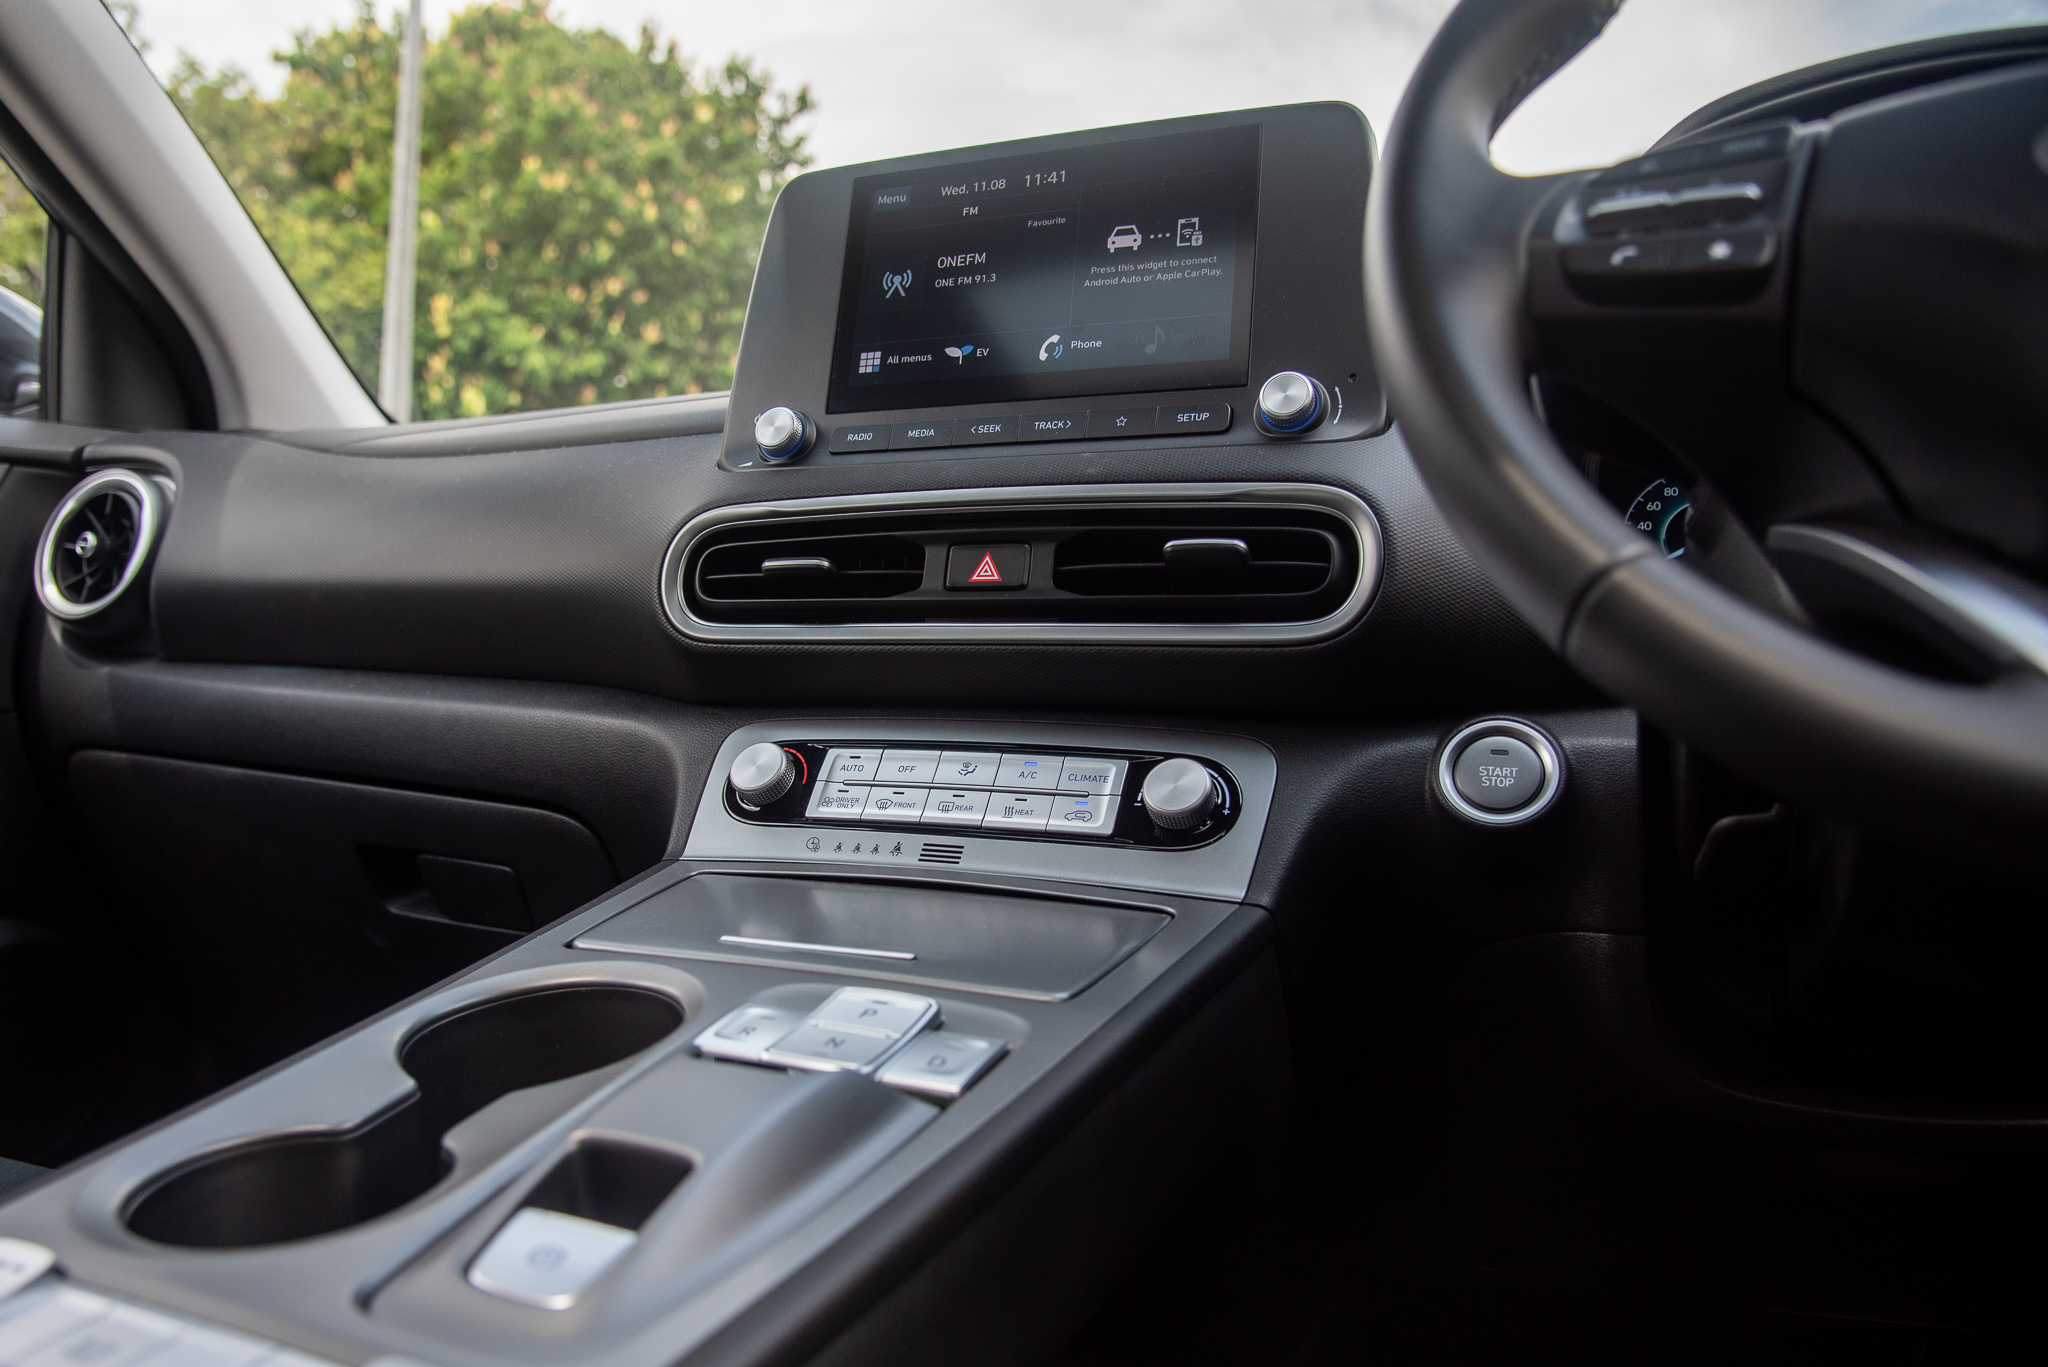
x=1499, y=772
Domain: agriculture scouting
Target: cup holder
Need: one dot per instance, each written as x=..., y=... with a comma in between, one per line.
x=271, y=1191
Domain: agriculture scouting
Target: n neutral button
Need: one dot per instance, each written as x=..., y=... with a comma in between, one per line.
x=872, y=438
x=922, y=434
x=1122, y=422
x=1195, y=417
x=1053, y=426
x=828, y=1049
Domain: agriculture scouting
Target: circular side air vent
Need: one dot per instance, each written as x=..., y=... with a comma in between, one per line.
x=97, y=542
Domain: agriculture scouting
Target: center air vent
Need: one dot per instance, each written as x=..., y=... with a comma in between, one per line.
x=97, y=542
x=1131, y=563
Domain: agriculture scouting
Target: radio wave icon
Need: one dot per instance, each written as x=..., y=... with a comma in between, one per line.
x=896, y=284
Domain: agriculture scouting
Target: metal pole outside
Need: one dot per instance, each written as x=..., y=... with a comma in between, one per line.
x=394, y=364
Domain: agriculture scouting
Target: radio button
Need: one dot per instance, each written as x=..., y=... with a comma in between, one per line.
x=871, y=438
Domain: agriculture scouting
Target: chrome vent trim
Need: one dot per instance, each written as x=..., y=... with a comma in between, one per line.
x=144, y=498
x=1277, y=495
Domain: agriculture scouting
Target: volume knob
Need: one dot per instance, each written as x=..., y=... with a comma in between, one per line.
x=1180, y=793
x=1290, y=404
x=781, y=434
x=761, y=773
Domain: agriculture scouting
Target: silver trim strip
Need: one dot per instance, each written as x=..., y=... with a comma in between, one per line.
x=1325, y=497
x=759, y=943
x=149, y=520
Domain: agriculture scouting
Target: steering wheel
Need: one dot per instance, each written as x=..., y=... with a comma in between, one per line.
x=1840, y=336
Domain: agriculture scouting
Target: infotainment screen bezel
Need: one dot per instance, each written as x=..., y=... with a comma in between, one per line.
x=1307, y=301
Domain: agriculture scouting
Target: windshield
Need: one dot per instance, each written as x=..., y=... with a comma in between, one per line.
x=595, y=175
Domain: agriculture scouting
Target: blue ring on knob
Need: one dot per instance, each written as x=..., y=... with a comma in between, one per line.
x=1304, y=422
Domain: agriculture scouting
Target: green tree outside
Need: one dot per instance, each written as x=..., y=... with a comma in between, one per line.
x=590, y=211
x=23, y=227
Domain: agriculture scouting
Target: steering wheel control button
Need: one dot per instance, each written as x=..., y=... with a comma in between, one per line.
x=782, y=433
x=761, y=773
x=845, y=440
x=955, y=807
x=940, y=1064
x=838, y=802
x=895, y=804
x=1017, y=812
x=1030, y=771
x=1179, y=794
x=1082, y=814
x=908, y=434
x=988, y=567
x=1195, y=417
x=1291, y=403
x=1500, y=772
x=1122, y=422
x=548, y=1259
x=909, y=766
x=1091, y=774
x=744, y=1035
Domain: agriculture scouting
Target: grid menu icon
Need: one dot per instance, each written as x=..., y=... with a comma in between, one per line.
x=870, y=362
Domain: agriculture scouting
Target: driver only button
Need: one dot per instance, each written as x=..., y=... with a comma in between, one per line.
x=1498, y=773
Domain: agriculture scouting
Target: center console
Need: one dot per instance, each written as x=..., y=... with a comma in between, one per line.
x=615, y=1140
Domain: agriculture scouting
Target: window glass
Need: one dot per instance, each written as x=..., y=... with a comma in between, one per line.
x=23, y=228
x=596, y=174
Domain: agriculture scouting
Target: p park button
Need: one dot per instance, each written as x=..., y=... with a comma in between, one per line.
x=1500, y=772
x=988, y=567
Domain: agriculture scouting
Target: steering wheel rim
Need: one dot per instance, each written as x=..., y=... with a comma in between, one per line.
x=1445, y=259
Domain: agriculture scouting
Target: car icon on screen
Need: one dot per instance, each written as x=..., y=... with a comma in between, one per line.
x=1126, y=236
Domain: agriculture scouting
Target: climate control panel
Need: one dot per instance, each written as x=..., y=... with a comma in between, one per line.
x=1127, y=798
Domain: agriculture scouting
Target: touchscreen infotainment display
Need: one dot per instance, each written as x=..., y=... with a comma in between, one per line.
x=1099, y=270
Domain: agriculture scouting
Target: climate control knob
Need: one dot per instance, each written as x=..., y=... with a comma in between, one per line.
x=782, y=433
x=761, y=773
x=1180, y=793
x=1290, y=404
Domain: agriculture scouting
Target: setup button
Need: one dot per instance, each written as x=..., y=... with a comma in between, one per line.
x=1195, y=417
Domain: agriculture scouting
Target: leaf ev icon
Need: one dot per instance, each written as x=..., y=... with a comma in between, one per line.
x=1050, y=348
x=896, y=283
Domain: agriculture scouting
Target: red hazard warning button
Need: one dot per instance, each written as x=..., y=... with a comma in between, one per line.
x=988, y=567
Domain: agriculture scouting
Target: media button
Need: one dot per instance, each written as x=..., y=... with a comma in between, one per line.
x=1195, y=417
x=1053, y=426
x=1122, y=422
x=973, y=430
x=921, y=434
x=872, y=438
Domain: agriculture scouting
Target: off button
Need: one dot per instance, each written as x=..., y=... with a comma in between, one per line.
x=1498, y=773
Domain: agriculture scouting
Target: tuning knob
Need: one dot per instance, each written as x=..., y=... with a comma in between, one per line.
x=782, y=434
x=1180, y=793
x=1290, y=404
x=761, y=773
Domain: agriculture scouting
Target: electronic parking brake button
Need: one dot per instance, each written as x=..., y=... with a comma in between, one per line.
x=548, y=1259
x=1498, y=773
